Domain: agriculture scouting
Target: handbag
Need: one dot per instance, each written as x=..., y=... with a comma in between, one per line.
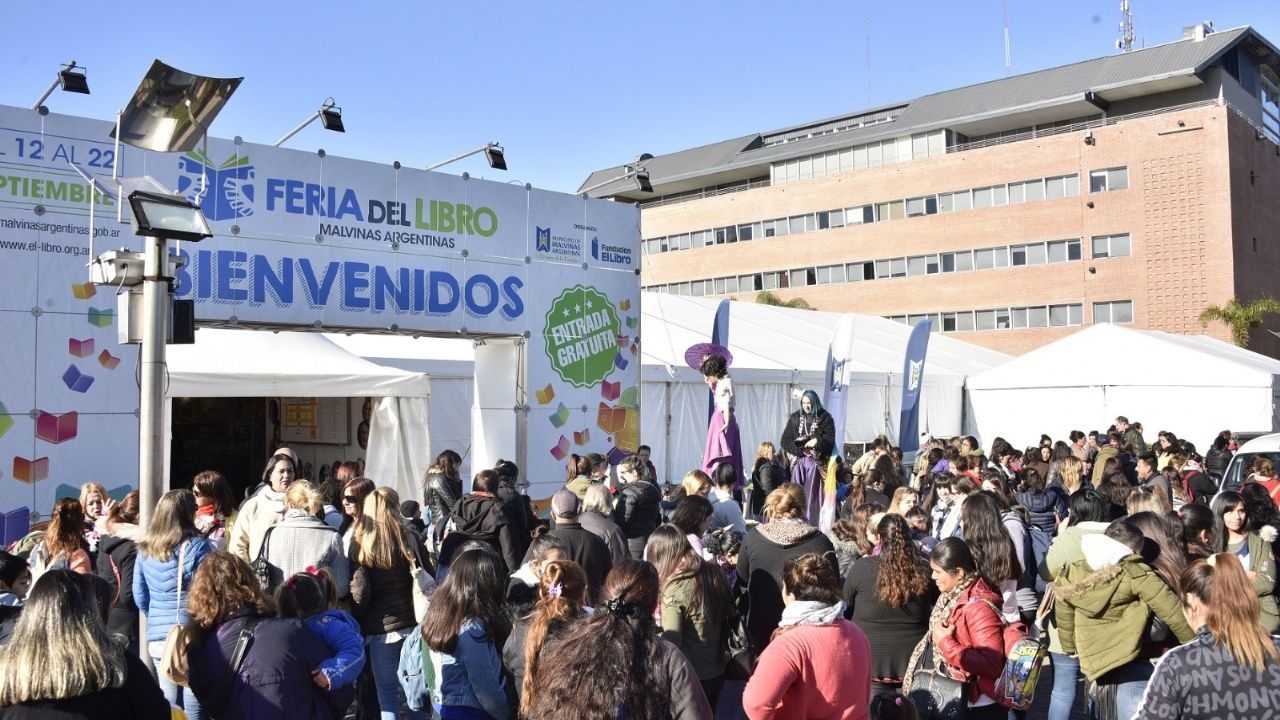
x=937, y=695
x=742, y=656
x=173, y=657
x=262, y=568
x=424, y=586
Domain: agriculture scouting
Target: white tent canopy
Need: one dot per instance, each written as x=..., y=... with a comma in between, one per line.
x=1192, y=385
x=259, y=363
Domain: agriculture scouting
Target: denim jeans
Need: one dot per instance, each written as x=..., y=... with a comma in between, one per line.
x=384, y=659
x=1066, y=675
x=178, y=697
x=1130, y=681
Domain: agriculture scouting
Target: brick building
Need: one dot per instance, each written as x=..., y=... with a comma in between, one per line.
x=1136, y=188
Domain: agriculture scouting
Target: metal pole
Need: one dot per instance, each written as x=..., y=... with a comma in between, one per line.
x=301, y=125
x=151, y=420
x=456, y=158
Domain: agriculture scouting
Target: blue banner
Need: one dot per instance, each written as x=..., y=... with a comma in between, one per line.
x=719, y=336
x=835, y=392
x=912, y=381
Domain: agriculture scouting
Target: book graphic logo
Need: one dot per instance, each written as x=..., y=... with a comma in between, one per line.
x=230, y=185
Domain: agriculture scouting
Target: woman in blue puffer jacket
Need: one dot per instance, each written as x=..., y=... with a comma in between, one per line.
x=171, y=535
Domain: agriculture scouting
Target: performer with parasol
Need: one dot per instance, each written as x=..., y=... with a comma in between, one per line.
x=724, y=444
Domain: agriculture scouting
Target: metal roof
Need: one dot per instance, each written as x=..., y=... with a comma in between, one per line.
x=1080, y=86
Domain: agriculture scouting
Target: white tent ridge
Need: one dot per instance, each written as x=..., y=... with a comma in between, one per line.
x=1192, y=385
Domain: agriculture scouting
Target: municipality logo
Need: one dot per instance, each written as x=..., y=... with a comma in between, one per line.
x=560, y=248
x=229, y=186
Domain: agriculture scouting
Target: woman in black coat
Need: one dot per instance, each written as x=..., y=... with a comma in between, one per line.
x=809, y=427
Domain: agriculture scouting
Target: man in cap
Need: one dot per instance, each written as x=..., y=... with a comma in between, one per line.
x=581, y=545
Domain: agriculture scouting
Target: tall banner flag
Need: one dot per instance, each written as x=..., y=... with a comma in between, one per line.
x=835, y=393
x=719, y=336
x=912, y=380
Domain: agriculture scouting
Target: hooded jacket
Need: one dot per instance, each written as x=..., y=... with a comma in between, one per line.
x=1105, y=602
x=481, y=516
x=764, y=551
x=117, y=557
x=638, y=513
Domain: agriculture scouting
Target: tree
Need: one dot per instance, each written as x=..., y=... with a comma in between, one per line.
x=1241, y=318
x=769, y=298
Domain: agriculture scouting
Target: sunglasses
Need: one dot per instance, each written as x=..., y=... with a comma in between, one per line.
x=350, y=499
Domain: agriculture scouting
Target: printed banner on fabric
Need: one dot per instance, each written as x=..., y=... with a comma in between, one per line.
x=912, y=381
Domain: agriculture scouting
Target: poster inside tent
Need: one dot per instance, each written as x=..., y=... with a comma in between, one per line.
x=307, y=241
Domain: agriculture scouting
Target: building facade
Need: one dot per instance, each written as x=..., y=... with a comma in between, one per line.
x=1138, y=188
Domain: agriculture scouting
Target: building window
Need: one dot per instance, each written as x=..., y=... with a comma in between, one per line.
x=1109, y=179
x=1116, y=311
x=1110, y=246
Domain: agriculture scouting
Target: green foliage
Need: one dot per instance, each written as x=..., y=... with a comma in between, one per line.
x=1241, y=317
x=770, y=298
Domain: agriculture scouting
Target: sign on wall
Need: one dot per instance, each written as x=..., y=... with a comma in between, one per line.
x=306, y=241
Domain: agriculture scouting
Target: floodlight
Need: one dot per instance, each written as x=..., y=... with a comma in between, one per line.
x=171, y=109
x=163, y=215
x=330, y=116
x=71, y=78
x=493, y=153
x=635, y=171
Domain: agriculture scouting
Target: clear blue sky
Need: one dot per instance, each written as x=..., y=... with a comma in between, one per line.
x=568, y=87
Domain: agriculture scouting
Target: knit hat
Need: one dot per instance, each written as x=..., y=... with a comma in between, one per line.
x=409, y=508
x=564, y=503
x=11, y=568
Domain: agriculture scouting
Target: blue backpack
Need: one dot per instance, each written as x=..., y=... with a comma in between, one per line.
x=415, y=671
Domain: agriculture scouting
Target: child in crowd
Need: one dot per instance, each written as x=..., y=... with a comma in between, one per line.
x=891, y=706
x=15, y=581
x=311, y=596
x=921, y=530
x=411, y=511
x=723, y=545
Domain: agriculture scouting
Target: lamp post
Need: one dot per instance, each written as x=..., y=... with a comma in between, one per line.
x=69, y=80
x=158, y=217
x=636, y=171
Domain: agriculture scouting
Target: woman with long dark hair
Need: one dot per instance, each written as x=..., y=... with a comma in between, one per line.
x=117, y=558
x=1199, y=530
x=615, y=665
x=966, y=630
x=694, y=606
x=1230, y=642
x=63, y=546
x=442, y=488
x=1256, y=555
x=168, y=557
x=994, y=550
x=465, y=629
x=819, y=664
x=63, y=662
x=889, y=596
x=1046, y=504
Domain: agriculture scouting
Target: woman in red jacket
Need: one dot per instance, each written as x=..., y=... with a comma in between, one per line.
x=967, y=631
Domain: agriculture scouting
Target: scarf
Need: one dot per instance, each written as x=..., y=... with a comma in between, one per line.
x=809, y=421
x=811, y=612
x=941, y=612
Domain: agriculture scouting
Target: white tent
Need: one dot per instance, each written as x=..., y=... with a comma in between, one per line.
x=1192, y=385
x=259, y=363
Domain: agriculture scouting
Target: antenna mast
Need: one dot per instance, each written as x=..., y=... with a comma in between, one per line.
x=1125, y=43
x=1008, y=51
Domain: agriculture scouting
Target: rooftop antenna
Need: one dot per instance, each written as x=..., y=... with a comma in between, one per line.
x=1125, y=43
x=1008, y=50
x=867, y=20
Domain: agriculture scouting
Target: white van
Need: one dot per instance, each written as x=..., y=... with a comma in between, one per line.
x=1238, y=469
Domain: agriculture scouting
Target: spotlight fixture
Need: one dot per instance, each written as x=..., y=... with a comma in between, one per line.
x=493, y=153
x=636, y=171
x=71, y=78
x=1088, y=138
x=330, y=116
x=167, y=216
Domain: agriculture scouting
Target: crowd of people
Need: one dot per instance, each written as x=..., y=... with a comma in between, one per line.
x=638, y=599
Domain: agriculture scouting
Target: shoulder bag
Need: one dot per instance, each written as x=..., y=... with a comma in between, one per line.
x=262, y=568
x=173, y=658
x=937, y=695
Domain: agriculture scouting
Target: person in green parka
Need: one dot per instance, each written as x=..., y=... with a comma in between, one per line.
x=1104, y=607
